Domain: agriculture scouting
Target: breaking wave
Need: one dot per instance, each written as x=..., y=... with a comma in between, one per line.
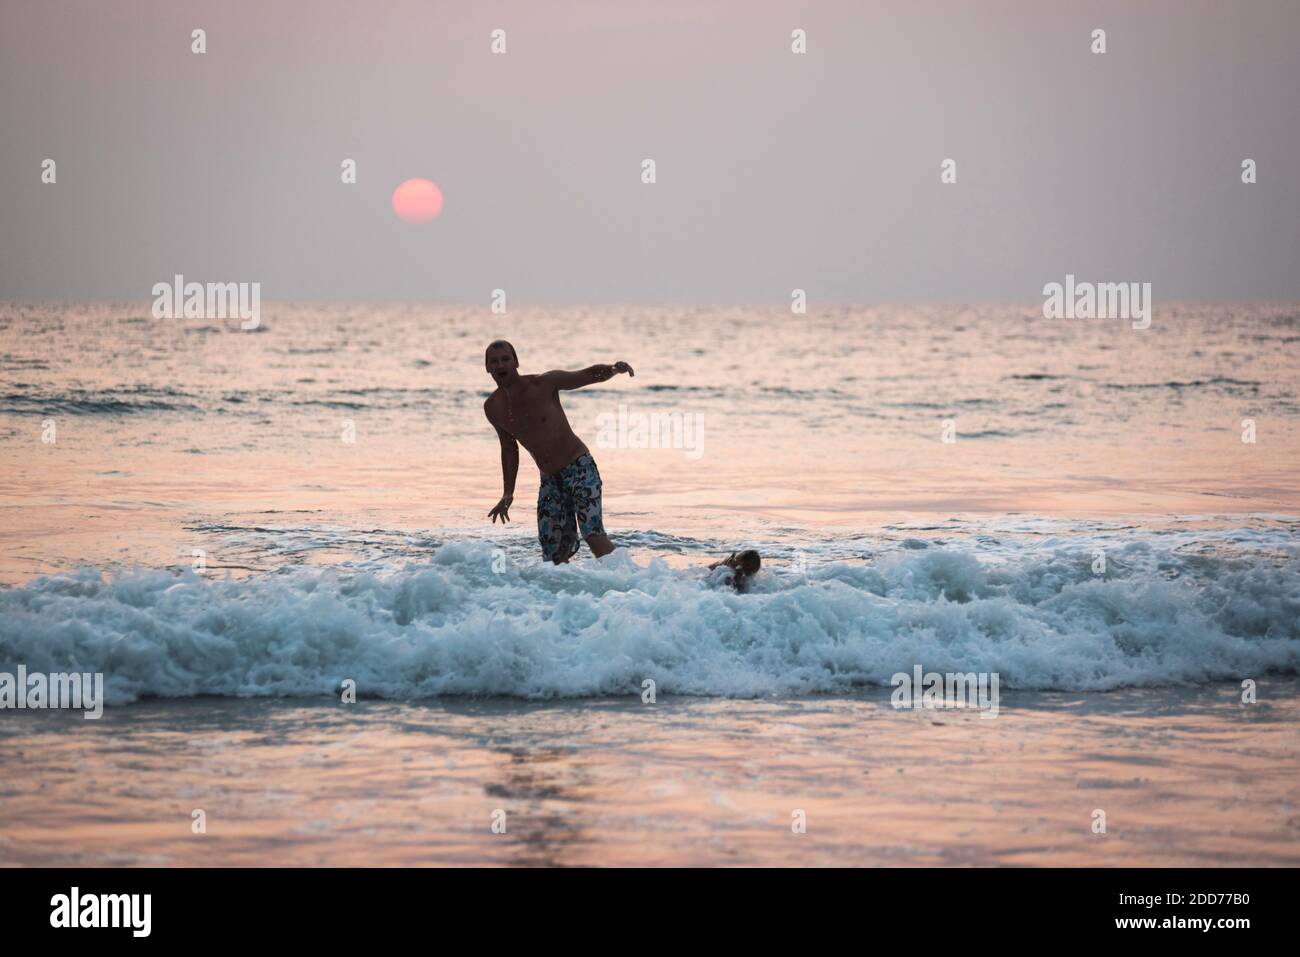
x=465, y=623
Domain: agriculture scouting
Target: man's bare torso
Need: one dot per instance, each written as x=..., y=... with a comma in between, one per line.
x=531, y=413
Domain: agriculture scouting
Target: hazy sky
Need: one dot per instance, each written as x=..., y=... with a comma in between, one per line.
x=775, y=170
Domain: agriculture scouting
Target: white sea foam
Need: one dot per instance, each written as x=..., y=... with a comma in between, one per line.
x=456, y=627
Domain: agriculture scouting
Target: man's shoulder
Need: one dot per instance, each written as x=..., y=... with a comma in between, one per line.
x=530, y=385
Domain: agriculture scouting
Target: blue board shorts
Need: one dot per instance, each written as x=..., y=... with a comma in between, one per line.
x=569, y=501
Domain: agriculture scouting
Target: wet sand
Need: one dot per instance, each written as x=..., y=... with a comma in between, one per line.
x=1186, y=777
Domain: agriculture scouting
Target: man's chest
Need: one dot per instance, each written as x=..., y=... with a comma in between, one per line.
x=530, y=411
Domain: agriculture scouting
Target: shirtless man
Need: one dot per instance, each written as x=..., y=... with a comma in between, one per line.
x=525, y=410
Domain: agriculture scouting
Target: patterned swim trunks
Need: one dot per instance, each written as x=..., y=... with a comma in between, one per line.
x=569, y=501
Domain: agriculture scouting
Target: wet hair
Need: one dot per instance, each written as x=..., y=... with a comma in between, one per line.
x=749, y=561
x=501, y=342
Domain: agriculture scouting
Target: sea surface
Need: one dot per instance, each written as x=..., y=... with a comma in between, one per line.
x=235, y=527
x=194, y=509
x=1183, y=777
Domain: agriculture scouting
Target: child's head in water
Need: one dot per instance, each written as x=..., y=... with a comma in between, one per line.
x=743, y=565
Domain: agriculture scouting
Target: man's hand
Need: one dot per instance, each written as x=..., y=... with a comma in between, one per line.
x=605, y=373
x=502, y=509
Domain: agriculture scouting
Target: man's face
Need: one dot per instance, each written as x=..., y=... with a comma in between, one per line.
x=501, y=363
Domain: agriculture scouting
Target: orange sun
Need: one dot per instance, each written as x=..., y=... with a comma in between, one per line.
x=417, y=201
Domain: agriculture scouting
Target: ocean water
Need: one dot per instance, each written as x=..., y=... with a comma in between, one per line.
x=1187, y=777
x=455, y=625
x=196, y=510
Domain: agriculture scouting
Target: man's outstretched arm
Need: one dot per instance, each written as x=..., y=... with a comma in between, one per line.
x=560, y=379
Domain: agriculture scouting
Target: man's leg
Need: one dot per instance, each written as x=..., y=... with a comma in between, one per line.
x=557, y=526
x=586, y=502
